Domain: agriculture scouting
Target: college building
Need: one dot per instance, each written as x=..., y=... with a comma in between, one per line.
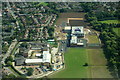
x=76, y=35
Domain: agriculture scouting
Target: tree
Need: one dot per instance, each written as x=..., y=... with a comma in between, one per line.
x=30, y=71
x=24, y=44
x=86, y=64
x=10, y=58
x=9, y=63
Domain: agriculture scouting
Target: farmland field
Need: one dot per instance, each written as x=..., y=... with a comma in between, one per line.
x=63, y=17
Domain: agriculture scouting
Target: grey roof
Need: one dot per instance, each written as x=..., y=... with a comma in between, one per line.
x=19, y=61
x=37, y=45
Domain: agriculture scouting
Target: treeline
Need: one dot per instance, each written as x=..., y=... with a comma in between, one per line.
x=111, y=49
x=102, y=11
x=108, y=37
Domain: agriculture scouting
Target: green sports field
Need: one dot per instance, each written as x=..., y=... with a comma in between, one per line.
x=110, y=21
x=75, y=58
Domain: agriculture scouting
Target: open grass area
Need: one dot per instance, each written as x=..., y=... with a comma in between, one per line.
x=92, y=38
x=111, y=21
x=97, y=64
x=96, y=57
x=117, y=31
x=75, y=58
x=42, y=3
x=99, y=72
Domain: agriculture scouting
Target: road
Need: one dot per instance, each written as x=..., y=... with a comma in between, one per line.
x=62, y=46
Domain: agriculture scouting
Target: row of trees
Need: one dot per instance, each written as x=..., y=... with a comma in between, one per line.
x=111, y=49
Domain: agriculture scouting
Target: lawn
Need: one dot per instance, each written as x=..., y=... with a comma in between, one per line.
x=96, y=57
x=75, y=58
x=110, y=21
x=100, y=72
x=92, y=38
x=43, y=4
x=117, y=31
x=97, y=64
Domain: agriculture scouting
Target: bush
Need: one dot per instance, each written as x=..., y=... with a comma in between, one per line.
x=30, y=71
x=86, y=64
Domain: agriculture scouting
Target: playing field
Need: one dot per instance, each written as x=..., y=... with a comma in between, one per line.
x=110, y=21
x=96, y=57
x=97, y=64
x=75, y=58
x=117, y=31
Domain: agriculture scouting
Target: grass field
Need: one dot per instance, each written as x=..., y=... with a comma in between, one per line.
x=95, y=56
x=117, y=31
x=97, y=64
x=75, y=58
x=110, y=21
x=92, y=38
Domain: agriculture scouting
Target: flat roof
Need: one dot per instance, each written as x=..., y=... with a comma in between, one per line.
x=38, y=54
x=80, y=43
x=77, y=30
x=33, y=60
x=51, y=40
x=45, y=52
x=46, y=58
x=67, y=28
x=74, y=39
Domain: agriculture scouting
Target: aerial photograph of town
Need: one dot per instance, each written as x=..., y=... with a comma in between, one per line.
x=60, y=40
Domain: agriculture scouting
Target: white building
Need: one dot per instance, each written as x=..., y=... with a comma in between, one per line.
x=67, y=29
x=46, y=58
x=76, y=34
x=77, y=31
x=73, y=39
